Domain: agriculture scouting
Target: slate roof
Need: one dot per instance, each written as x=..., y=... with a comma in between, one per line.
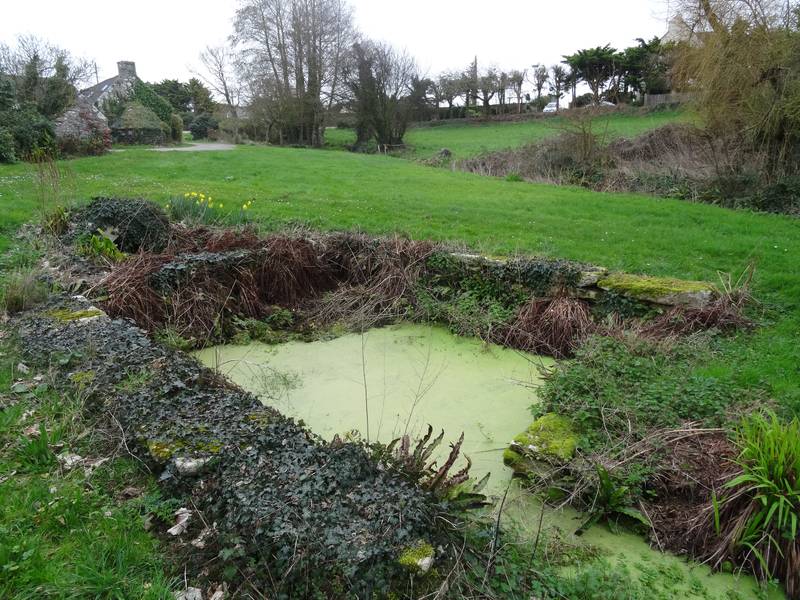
x=94, y=93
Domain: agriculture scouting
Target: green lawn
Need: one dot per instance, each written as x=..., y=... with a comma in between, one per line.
x=470, y=139
x=331, y=190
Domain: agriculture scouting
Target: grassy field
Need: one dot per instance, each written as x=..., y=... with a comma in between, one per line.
x=333, y=190
x=67, y=533
x=469, y=139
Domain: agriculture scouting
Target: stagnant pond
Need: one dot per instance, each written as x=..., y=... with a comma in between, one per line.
x=399, y=379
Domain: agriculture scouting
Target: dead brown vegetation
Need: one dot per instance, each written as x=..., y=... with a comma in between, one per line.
x=553, y=326
x=692, y=467
x=378, y=277
x=187, y=239
x=291, y=270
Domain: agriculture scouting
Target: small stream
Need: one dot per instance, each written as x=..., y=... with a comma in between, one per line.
x=399, y=379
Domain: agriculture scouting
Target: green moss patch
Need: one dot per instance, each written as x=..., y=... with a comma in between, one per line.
x=66, y=315
x=417, y=558
x=550, y=438
x=661, y=290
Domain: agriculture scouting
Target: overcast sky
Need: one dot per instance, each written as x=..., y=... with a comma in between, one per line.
x=164, y=37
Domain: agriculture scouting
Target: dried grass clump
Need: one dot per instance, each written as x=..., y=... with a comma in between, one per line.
x=665, y=143
x=188, y=239
x=725, y=313
x=291, y=270
x=129, y=293
x=377, y=279
x=692, y=465
x=194, y=308
x=198, y=308
x=555, y=327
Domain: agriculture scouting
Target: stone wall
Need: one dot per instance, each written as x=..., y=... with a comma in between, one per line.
x=81, y=130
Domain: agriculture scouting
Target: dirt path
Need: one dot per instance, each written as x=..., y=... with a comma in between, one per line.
x=199, y=147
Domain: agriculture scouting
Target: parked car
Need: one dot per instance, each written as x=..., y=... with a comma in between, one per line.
x=550, y=108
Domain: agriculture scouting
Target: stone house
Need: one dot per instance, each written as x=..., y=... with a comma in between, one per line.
x=134, y=123
x=120, y=87
x=81, y=130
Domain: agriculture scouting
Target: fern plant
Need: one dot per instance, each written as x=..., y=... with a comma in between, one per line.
x=612, y=501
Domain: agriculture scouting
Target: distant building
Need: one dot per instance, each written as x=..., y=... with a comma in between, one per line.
x=81, y=130
x=135, y=123
x=679, y=31
x=119, y=87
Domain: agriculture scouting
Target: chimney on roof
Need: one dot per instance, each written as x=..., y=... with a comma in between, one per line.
x=126, y=69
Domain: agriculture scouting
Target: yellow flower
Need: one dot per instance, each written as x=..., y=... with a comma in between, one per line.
x=186, y=195
x=220, y=204
x=194, y=194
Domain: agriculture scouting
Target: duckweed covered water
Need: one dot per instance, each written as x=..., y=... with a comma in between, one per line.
x=415, y=376
x=406, y=377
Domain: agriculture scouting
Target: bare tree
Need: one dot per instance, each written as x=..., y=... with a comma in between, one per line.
x=503, y=83
x=220, y=75
x=720, y=15
x=447, y=88
x=292, y=51
x=30, y=49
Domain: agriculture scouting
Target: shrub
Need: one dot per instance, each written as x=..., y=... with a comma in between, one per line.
x=176, y=128
x=139, y=125
x=202, y=126
x=7, y=149
x=582, y=101
x=780, y=197
x=21, y=291
x=33, y=134
x=758, y=522
x=138, y=224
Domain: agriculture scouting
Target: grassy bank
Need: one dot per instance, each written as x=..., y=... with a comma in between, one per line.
x=331, y=190
x=465, y=139
x=337, y=190
x=70, y=531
